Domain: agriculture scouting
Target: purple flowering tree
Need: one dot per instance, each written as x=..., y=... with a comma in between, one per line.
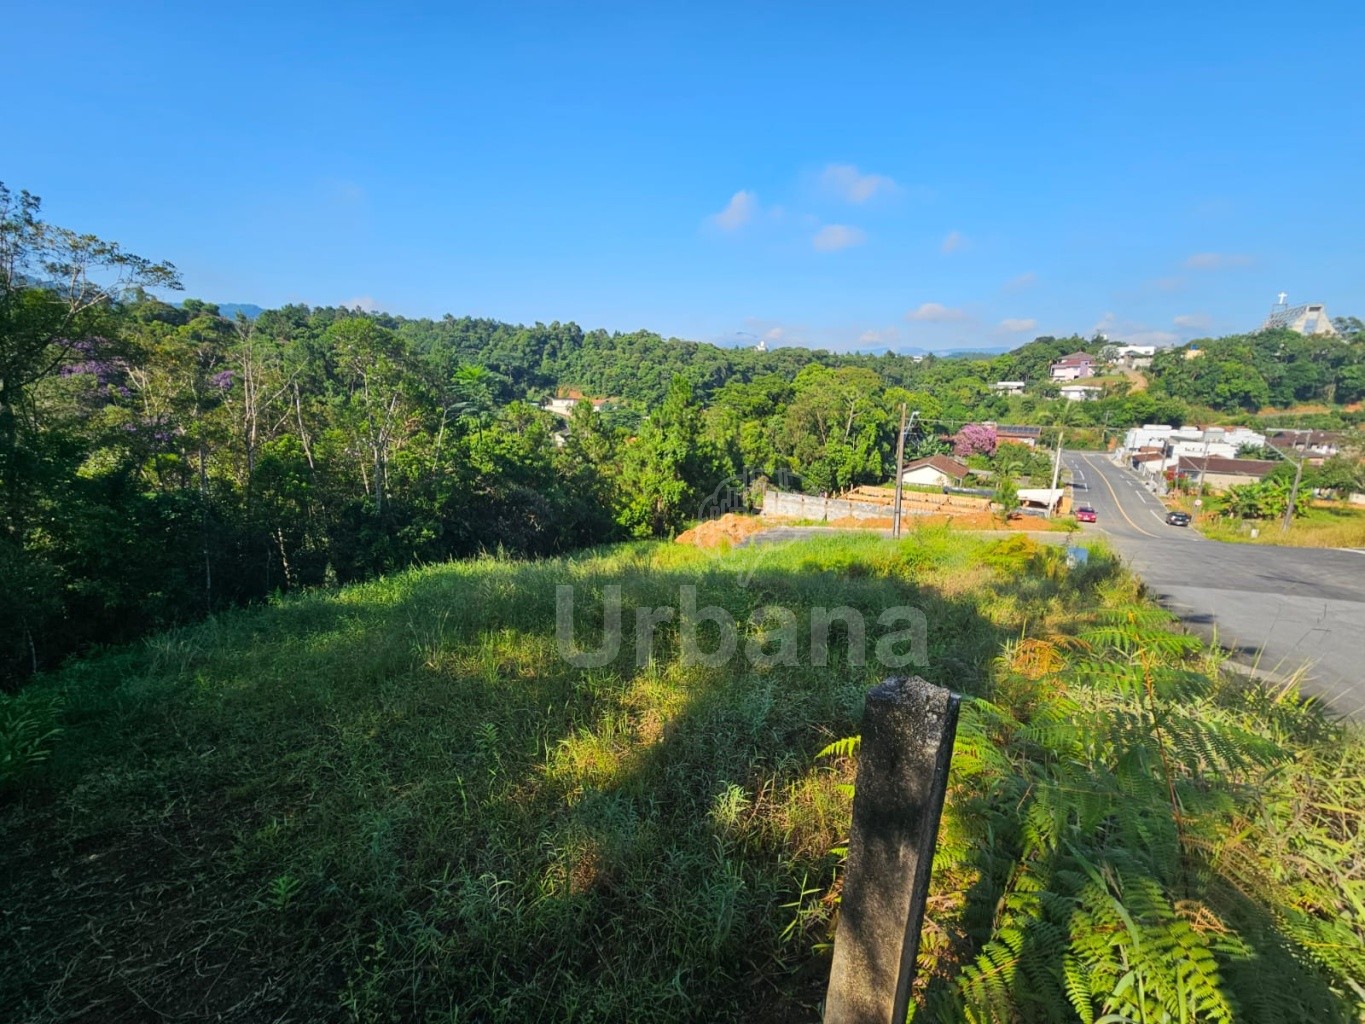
x=58, y=287
x=975, y=439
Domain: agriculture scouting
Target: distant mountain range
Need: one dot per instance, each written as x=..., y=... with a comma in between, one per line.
x=251, y=311
x=230, y=309
x=247, y=309
x=913, y=350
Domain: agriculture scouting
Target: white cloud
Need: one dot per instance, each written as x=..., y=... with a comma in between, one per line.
x=954, y=241
x=847, y=182
x=1218, y=260
x=833, y=237
x=1011, y=324
x=738, y=211
x=364, y=302
x=935, y=313
x=1158, y=338
x=1015, y=284
x=881, y=337
x=1132, y=332
x=1193, y=321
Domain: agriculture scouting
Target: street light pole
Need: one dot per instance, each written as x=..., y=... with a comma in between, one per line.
x=1293, y=495
x=900, y=477
x=1294, y=490
x=1056, y=471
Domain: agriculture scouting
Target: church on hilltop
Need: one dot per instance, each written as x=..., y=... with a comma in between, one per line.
x=1308, y=320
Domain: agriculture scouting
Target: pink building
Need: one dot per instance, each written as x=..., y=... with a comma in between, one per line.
x=1074, y=366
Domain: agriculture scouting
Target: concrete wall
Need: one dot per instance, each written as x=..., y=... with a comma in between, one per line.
x=805, y=506
x=1221, y=481
x=1072, y=372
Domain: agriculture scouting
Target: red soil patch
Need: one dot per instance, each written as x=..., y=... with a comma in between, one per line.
x=728, y=529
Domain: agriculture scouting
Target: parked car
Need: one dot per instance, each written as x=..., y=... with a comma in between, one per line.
x=1177, y=518
x=1085, y=514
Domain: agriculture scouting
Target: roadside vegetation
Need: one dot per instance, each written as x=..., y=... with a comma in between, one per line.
x=1319, y=525
x=1254, y=513
x=395, y=801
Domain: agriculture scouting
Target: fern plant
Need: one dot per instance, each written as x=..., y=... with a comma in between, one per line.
x=1128, y=837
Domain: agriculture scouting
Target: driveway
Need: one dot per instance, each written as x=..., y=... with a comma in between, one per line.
x=1277, y=608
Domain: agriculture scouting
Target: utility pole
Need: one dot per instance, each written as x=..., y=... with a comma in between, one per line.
x=1294, y=490
x=900, y=473
x=1293, y=496
x=1056, y=471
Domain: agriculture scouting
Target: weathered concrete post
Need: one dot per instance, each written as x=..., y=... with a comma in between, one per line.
x=908, y=730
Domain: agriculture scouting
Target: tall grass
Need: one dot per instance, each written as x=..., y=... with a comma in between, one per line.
x=397, y=802
x=1320, y=527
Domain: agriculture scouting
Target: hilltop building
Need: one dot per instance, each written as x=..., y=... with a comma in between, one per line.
x=1307, y=320
x=1074, y=366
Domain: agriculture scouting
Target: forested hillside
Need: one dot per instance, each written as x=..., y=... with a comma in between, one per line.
x=159, y=461
x=1281, y=368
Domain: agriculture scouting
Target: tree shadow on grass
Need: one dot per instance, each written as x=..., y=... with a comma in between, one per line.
x=399, y=801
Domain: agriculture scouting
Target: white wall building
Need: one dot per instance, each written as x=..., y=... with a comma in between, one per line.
x=935, y=471
x=1081, y=392
x=1149, y=435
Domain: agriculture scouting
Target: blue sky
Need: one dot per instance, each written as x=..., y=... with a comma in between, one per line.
x=901, y=175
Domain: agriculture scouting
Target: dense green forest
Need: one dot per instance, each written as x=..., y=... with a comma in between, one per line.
x=159, y=461
x=1281, y=368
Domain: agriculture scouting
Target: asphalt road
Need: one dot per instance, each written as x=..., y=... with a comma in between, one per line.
x=1277, y=608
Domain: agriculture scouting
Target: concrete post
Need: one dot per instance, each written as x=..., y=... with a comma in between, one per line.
x=908, y=730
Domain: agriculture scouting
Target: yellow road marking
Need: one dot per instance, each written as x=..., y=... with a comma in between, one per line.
x=1135, y=526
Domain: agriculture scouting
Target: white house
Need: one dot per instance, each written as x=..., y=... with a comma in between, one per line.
x=935, y=471
x=566, y=406
x=1312, y=444
x=1210, y=442
x=1008, y=387
x=1149, y=435
x=1081, y=392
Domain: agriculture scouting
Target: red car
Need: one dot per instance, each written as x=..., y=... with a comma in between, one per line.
x=1085, y=514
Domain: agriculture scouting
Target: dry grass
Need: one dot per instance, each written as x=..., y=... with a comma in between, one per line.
x=1323, y=526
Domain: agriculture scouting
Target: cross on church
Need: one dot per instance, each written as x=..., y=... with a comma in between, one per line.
x=1283, y=296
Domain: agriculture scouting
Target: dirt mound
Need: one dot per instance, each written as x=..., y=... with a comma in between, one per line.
x=728, y=529
x=854, y=523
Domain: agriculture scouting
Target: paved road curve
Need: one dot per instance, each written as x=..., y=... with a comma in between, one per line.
x=1279, y=608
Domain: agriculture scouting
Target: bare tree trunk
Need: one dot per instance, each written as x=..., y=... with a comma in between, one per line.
x=204, y=527
x=284, y=559
x=303, y=433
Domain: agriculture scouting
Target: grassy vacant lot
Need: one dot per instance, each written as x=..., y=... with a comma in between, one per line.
x=396, y=802
x=1322, y=525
